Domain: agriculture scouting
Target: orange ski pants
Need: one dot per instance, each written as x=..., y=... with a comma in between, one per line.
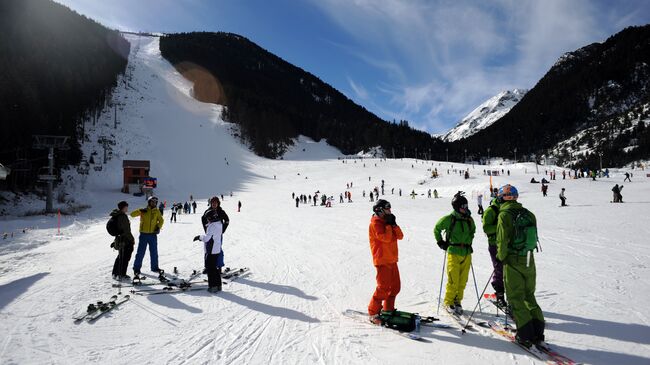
x=388, y=286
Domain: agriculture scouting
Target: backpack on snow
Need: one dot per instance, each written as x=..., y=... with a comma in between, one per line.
x=397, y=320
x=525, y=237
x=111, y=226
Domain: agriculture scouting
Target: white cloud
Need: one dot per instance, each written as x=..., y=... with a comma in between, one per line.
x=446, y=57
x=359, y=90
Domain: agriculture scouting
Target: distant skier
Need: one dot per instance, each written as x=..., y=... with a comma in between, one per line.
x=124, y=242
x=627, y=177
x=172, y=218
x=459, y=230
x=413, y=194
x=435, y=193
x=238, y=206
x=618, y=198
x=297, y=201
x=151, y=222
x=563, y=198
x=383, y=235
x=194, y=206
x=479, y=201
x=519, y=267
x=161, y=207
x=544, y=189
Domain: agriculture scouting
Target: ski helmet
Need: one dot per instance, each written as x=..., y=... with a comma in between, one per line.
x=152, y=198
x=460, y=202
x=380, y=205
x=508, y=192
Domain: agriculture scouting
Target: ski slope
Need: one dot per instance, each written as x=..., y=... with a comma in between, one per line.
x=309, y=263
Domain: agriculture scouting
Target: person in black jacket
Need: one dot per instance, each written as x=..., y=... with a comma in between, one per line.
x=124, y=242
x=212, y=214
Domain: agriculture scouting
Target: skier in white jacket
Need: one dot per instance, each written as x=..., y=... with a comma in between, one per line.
x=212, y=240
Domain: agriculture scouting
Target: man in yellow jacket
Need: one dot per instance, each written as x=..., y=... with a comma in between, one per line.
x=151, y=221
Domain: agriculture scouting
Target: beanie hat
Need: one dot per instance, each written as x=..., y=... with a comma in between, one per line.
x=122, y=204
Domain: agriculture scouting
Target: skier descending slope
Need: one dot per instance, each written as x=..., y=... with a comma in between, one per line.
x=383, y=234
x=516, y=238
x=459, y=228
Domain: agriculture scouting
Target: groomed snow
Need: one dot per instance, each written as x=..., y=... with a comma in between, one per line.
x=309, y=263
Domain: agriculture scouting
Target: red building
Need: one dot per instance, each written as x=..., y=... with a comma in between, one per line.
x=135, y=172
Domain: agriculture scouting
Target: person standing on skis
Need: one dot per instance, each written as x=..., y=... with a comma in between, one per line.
x=215, y=210
x=519, y=269
x=212, y=245
x=459, y=229
x=490, y=220
x=151, y=221
x=383, y=234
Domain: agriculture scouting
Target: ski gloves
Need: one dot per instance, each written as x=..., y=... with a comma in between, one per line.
x=443, y=245
x=197, y=238
x=390, y=219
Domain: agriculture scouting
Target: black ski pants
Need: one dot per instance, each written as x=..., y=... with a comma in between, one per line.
x=214, y=273
x=122, y=260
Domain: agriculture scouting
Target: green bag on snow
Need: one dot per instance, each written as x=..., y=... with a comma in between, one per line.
x=397, y=320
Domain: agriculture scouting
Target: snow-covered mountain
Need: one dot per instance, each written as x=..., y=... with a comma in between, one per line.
x=308, y=263
x=485, y=114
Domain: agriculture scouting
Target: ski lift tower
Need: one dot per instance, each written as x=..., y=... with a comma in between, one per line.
x=42, y=142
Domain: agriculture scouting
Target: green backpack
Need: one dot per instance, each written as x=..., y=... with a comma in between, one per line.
x=398, y=320
x=525, y=238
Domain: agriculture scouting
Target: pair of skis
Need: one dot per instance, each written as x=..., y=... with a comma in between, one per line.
x=363, y=317
x=100, y=308
x=172, y=287
x=540, y=351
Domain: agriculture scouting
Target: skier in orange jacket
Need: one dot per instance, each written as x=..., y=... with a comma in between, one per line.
x=383, y=234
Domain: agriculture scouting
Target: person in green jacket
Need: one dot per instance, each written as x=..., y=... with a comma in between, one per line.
x=519, y=272
x=151, y=221
x=490, y=216
x=459, y=230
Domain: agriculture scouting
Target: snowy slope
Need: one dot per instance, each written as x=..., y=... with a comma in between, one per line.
x=485, y=114
x=308, y=263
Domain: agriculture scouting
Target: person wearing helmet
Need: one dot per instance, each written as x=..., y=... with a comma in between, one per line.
x=215, y=212
x=459, y=230
x=214, y=222
x=151, y=221
x=519, y=272
x=383, y=234
x=490, y=220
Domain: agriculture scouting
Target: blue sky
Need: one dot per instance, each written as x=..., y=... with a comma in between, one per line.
x=429, y=62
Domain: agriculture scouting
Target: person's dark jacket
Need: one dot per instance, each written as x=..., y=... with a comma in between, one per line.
x=123, y=226
x=213, y=215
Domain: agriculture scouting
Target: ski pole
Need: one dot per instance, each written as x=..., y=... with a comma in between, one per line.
x=477, y=303
x=476, y=288
x=442, y=276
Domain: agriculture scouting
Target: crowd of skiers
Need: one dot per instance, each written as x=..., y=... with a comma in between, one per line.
x=513, y=266
x=215, y=221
